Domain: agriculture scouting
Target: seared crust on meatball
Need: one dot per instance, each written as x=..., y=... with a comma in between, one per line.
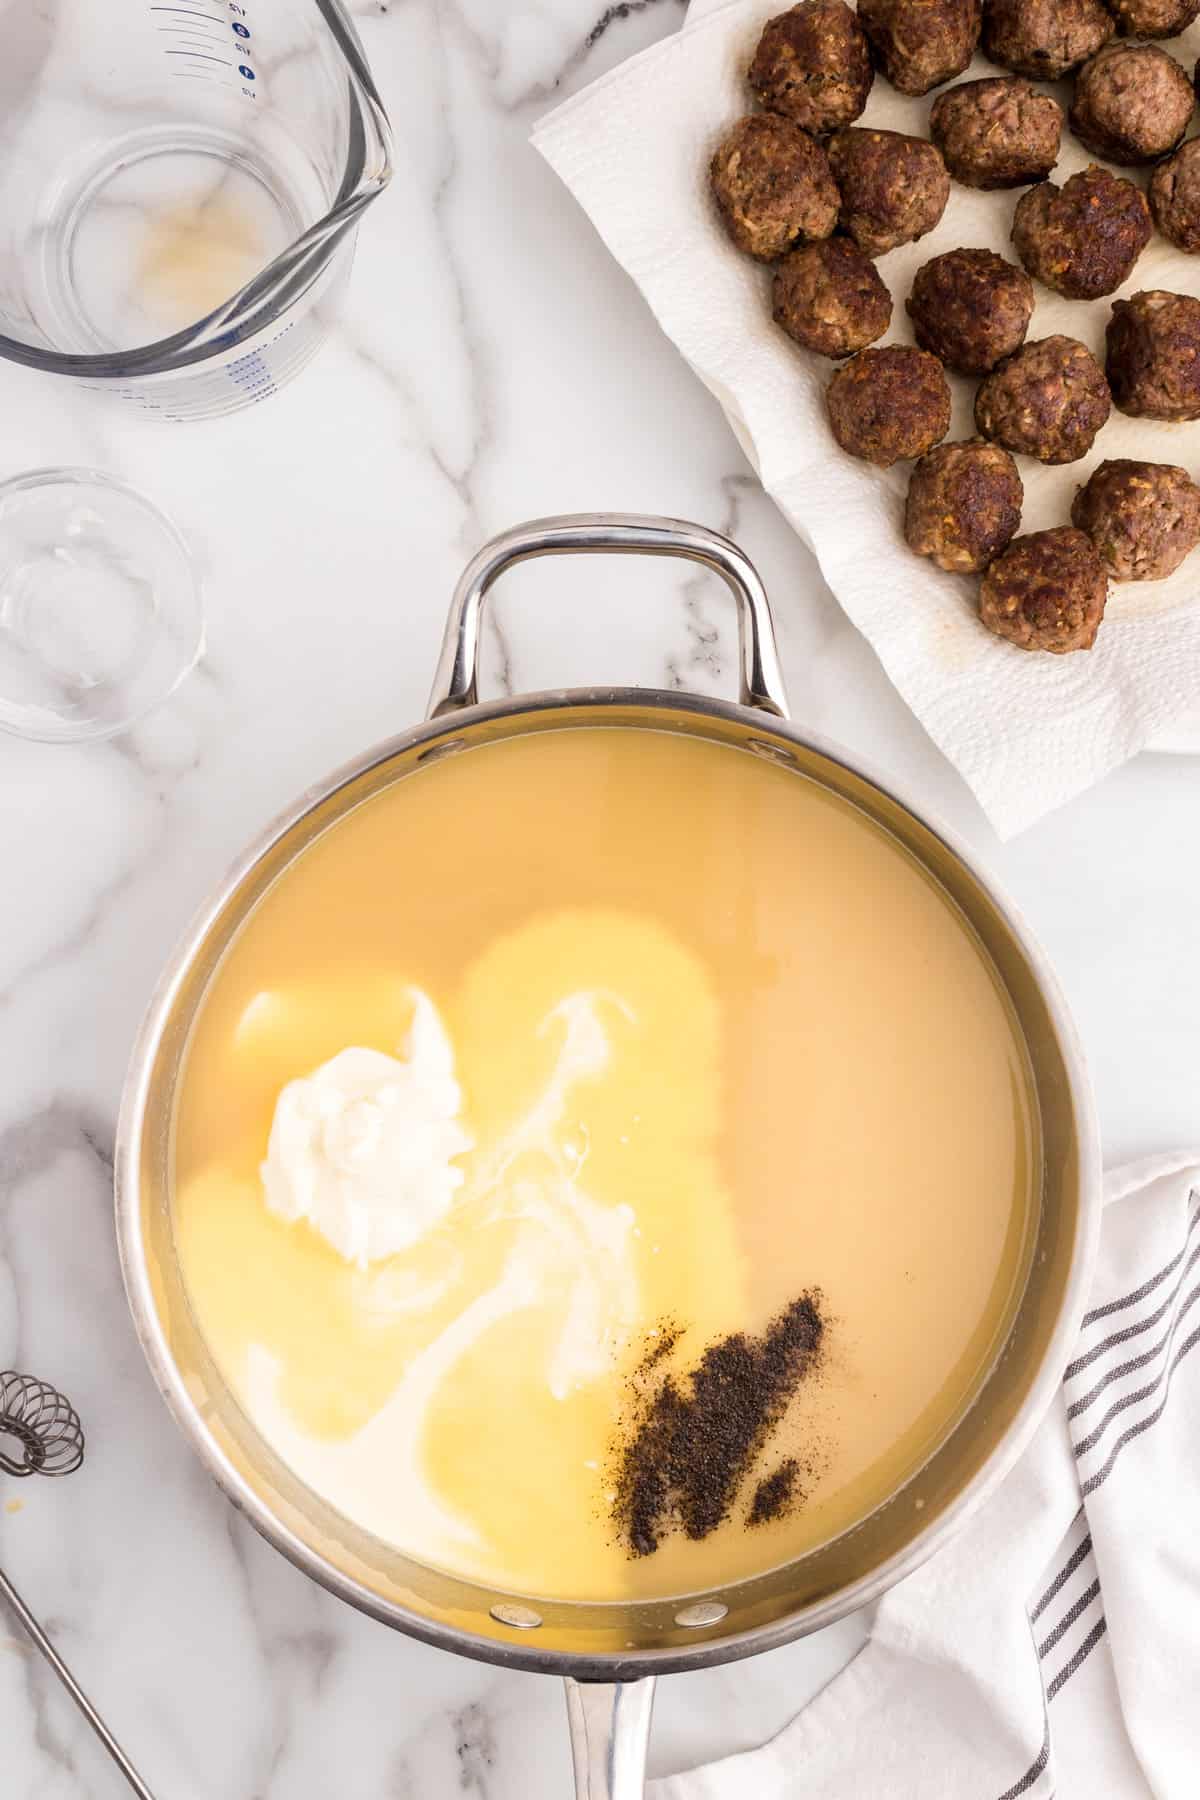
x=1153, y=18
x=1132, y=103
x=1048, y=401
x=1082, y=239
x=921, y=43
x=829, y=298
x=773, y=186
x=1044, y=39
x=998, y=132
x=971, y=309
x=1153, y=355
x=963, y=506
x=1175, y=197
x=888, y=404
x=1046, y=592
x=813, y=65
x=1143, y=518
x=894, y=187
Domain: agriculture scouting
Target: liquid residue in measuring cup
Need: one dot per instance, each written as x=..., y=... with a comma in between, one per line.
x=187, y=228
x=195, y=257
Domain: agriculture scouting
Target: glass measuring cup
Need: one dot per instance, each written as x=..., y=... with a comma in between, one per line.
x=180, y=183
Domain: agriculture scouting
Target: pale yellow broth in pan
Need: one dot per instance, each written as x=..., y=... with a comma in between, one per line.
x=720, y=1041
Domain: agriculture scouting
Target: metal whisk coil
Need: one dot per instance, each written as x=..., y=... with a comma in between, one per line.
x=46, y=1427
x=44, y=1424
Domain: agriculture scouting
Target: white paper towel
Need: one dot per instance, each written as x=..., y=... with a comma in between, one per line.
x=1026, y=730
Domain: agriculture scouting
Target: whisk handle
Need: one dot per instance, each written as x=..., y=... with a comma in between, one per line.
x=73, y=1688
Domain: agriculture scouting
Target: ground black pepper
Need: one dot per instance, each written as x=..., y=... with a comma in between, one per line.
x=774, y=1494
x=693, y=1437
x=660, y=1343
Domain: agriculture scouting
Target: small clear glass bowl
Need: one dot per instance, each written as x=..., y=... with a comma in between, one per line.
x=100, y=609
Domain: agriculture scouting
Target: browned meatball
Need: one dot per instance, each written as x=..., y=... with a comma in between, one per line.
x=1082, y=239
x=997, y=133
x=1153, y=355
x=970, y=308
x=1046, y=592
x=1048, y=401
x=963, y=506
x=1153, y=18
x=1132, y=103
x=1143, y=518
x=1175, y=196
x=894, y=188
x=888, y=404
x=829, y=298
x=773, y=186
x=1044, y=39
x=921, y=43
x=813, y=65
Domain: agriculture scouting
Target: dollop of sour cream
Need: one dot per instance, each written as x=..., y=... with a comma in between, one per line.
x=363, y=1147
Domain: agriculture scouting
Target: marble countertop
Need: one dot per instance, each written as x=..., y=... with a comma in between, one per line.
x=491, y=365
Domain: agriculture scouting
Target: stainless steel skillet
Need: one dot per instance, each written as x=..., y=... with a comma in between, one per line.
x=611, y=1653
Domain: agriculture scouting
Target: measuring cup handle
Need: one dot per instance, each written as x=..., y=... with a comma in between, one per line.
x=610, y=1735
x=456, y=683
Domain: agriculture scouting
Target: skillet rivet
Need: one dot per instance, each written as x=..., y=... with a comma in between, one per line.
x=777, y=753
x=707, y=1612
x=436, y=751
x=521, y=1618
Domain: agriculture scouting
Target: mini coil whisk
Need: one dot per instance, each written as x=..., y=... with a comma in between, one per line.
x=40, y=1434
x=44, y=1424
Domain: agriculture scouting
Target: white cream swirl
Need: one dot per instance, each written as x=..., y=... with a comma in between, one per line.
x=363, y=1147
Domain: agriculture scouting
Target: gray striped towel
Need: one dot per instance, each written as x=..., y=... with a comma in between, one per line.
x=1053, y=1648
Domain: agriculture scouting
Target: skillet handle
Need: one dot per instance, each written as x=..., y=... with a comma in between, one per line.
x=610, y=1734
x=456, y=683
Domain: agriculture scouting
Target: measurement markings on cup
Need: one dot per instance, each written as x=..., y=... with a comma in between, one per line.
x=241, y=31
x=206, y=33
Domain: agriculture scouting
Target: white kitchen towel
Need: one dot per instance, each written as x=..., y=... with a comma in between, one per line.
x=1026, y=730
x=1053, y=1647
